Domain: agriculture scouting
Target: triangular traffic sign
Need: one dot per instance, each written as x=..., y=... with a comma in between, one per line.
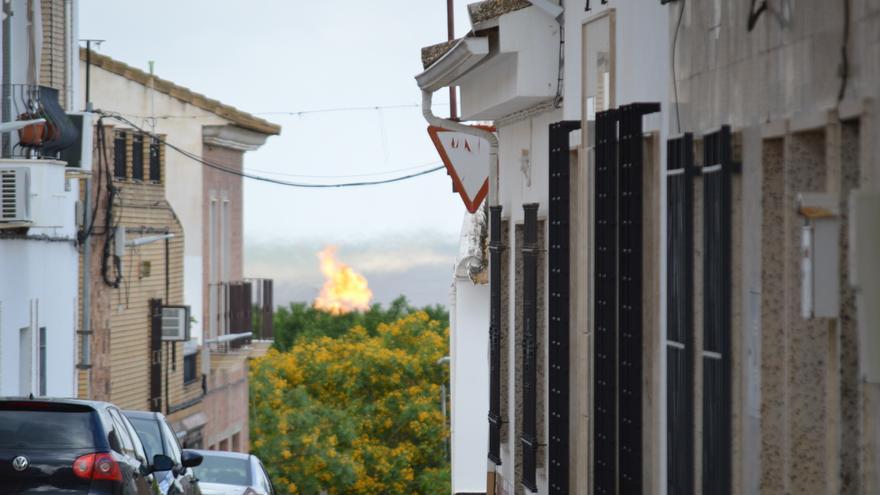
x=467, y=161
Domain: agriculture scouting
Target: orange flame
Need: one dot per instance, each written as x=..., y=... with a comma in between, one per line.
x=344, y=289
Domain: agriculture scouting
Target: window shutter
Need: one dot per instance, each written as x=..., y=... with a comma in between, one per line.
x=559, y=305
x=717, y=166
x=679, y=316
x=496, y=247
x=137, y=157
x=119, y=156
x=529, y=436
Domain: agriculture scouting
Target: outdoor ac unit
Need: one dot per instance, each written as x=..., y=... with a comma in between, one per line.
x=14, y=195
x=175, y=323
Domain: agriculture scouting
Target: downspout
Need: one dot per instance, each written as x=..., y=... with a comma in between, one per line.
x=452, y=125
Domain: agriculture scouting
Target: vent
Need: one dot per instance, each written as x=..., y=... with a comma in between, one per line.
x=175, y=323
x=14, y=185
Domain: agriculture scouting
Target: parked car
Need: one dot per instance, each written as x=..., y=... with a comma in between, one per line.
x=232, y=473
x=158, y=438
x=73, y=447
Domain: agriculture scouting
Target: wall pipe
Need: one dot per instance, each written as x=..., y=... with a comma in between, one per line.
x=428, y=114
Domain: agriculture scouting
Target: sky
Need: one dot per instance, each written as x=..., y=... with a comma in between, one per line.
x=272, y=58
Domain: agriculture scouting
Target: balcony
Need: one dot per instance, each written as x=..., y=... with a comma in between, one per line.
x=239, y=312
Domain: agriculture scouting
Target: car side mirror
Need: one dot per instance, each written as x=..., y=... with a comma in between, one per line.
x=162, y=462
x=190, y=459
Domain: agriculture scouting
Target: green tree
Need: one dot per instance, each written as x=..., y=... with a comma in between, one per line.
x=355, y=412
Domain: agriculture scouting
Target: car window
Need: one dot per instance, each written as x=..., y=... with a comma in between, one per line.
x=46, y=429
x=148, y=431
x=265, y=484
x=121, y=434
x=224, y=470
x=172, y=448
x=137, y=445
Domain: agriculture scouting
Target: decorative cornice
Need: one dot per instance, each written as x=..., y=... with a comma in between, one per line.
x=232, y=137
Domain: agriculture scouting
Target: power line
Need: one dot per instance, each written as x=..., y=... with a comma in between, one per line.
x=270, y=180
x=343, y=176
x=293, y=113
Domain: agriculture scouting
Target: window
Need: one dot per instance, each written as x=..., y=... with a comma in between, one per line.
x=225, y=241
x=43, y=362
x=155, y=172
x=123, y=439
x=148, y=431
x=190, y=373
x=137, y=157
x=172, y=447
x=119, y=156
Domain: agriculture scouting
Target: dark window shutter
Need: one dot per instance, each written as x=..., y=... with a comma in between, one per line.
x=137, y=157
x=618, y=299
x=156, y=355
x=119, y=156
x=155, y=172
x=605, y=306
x=496, y=247
x=530, y=347
x=559, y=305
x=717, y=166
x=679, y=316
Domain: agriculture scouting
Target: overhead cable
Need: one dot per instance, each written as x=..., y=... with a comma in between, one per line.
x=260, y=178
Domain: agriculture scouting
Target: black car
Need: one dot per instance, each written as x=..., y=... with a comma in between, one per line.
x=158, y=438
x=68, y=446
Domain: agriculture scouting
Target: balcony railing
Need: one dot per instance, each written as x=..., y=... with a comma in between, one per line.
x=236, y=308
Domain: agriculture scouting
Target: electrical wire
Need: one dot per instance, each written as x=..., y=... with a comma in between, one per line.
x=343, y=176
x=293, y=113
x=674, y=77
x=260, y=178
x=754, y=15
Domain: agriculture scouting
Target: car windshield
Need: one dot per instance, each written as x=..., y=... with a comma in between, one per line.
x=148, y=431
x=46, y=429
x=225, y=470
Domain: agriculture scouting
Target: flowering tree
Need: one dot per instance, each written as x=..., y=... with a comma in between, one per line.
x=357, y=414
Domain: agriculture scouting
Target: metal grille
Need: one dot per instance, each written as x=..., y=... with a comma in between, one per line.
x=679, y=316
x=716, y=312
x=605, y=301
x=529, y=436
x=496, y=247
x=559, y=305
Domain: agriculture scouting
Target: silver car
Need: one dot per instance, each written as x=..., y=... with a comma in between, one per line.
x=232, y=473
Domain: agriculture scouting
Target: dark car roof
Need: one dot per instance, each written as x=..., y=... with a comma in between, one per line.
x=58, y=400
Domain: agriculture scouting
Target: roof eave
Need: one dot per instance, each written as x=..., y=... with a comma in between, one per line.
x=458, y=61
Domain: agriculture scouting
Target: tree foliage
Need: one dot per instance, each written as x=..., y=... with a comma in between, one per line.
x=300, y=320
x=356, y=411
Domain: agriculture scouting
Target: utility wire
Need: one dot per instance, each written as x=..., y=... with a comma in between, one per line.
x=260, y=178
x=294, y=113
x=343, y=176
x=674, y=77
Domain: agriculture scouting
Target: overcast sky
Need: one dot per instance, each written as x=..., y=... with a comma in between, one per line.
x=296, y=55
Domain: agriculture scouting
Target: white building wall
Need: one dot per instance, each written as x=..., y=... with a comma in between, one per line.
x=469, y=383
x=182, y=123
x=38, y=286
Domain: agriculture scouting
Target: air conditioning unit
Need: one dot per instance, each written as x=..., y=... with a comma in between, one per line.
x=14, y=196
x=175, y=323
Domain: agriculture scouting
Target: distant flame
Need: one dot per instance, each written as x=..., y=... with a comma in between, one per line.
x=344, y=289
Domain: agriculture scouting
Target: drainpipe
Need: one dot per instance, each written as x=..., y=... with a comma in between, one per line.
x=452, y=125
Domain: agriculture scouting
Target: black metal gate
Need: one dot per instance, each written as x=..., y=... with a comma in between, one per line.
x=618, y=299
x=717, y=165
x=559, y=304
x=679, y=316
x=496, y=247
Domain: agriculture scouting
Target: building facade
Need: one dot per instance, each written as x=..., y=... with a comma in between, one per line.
x=38, y=221
x=201, y=383
x=679, y=222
